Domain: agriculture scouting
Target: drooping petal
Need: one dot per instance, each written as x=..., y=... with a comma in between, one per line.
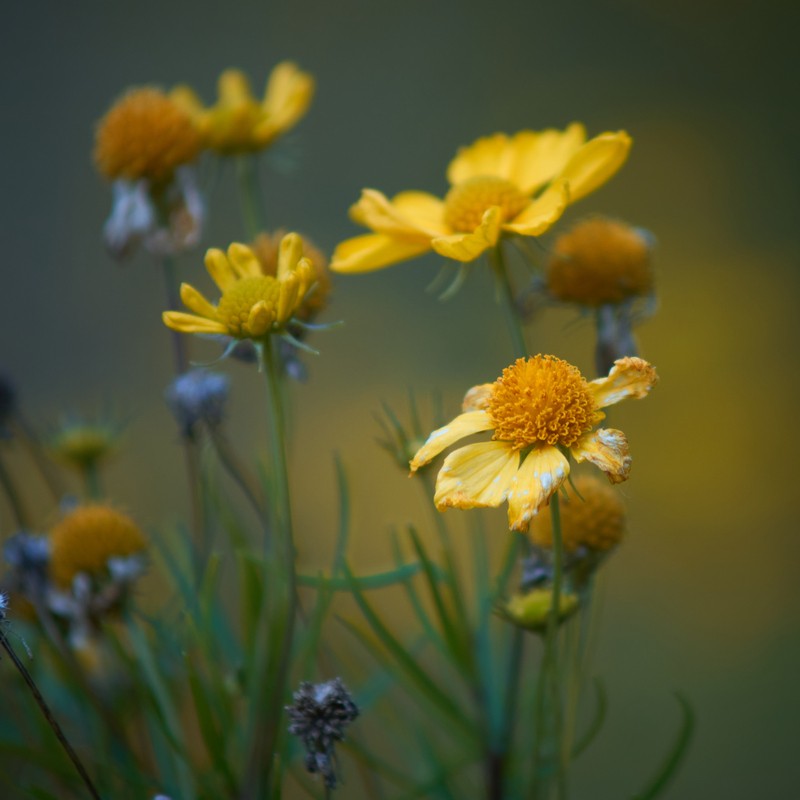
x=374, y=210
x=476, y=476
x=542, y=213
x=477, y=398
x=541, y=474
x=219, y=269
x=194, y=301
x=189, y=323
x=491, y=155
x=629, y=377
x=540, y=156
x=606, y=448
x=463, y=425
x=595, y=163
x=243, y=261
x=373, y=251
x=468, y=246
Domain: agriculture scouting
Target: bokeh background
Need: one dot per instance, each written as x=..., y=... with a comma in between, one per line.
x=703, y=596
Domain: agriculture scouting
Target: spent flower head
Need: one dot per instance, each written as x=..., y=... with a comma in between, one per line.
x=540, y=410
x=196, y=398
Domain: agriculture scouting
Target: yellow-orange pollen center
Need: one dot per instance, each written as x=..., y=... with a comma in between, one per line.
x=541, y=399
x=467, y=202
x=237, y=302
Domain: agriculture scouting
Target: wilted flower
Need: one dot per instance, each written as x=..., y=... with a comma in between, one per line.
x=198, y=398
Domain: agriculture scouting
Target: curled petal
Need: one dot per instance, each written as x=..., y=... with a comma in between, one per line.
x=189, y=323
x=243, y=261
x=607, y=449
x=219, y=269
x=259, y=320
x=542, y=213
x=629, y=377
x=463, y=425
x=542, y=472
x=476, y=476
x=595, y=163
x=373, y=251
x=477, y=398
x=194, y=301
x=468, y=246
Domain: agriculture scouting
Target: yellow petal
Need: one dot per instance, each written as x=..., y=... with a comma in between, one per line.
x=477, y=398
x=629, y=377
x=468, y=246
x=541, y=156
x=424, y=211
x=463, y=425
x=374, y=210
x=373, y=251
x=542, y=472
x=185, y=97
x=234, y=88
x=290, y=251
x=194, y=301
x=288, y=95
x=243, y=261
x=491, y=155
x=476, y=476
x=189, y=323
x=259, y=321
x=306, y=275
x=607, y=449
x=220, y=269
x=595, y=163
x=287, y=297
x=542, y=213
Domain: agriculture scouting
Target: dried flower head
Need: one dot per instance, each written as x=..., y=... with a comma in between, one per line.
x=198, y=398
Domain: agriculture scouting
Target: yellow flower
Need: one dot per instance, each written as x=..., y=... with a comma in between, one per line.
x=538, y=408
x=252, y=305
x=239, y=122
x=87, y=538
x=594, y=518
x=145, y=135
x=512, y=185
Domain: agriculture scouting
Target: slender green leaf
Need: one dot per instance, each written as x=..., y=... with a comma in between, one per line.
x=601, y=707
x=378, y=580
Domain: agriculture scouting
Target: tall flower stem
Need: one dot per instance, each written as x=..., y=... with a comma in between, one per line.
x=91, y=479
x=250, y=195
x=505, y=294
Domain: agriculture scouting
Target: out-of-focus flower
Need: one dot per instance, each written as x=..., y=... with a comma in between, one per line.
x=253, y=305
x=319, y=716
x=531, y=610
x=501, y=185
x=82, y=443
x=198, y=398
x=241, y=123
x=538, y=408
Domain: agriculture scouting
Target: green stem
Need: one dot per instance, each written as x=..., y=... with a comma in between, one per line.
x=250, y=195
x=505, y=292
x=91, y=478
x=238, y=472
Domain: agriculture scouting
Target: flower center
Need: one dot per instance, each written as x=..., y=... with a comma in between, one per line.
x=237, y=302
x=541, y=399
x=467, y=202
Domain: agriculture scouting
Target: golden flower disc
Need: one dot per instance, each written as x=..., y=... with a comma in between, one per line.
x=145, y=135
x=237, y=302
x=87, y=538
x=541, y=399
x=466, y=203
x=600, y=261
x=597, y=521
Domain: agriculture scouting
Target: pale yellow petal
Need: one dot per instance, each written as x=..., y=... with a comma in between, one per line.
x=374, y=210
x=629, y=377
x=540, y=156
x=219, y=269
x=189, y=323
x=476, y=476
x=243, y=261
x=491, y=155
x=542, y=213
x=373, y=251
x=541, y=474
x=595, y=163
x=288, y=95
x=233, y=88
x=477, y=398
x=463, y=425
x=607, y=449
x=290, y=251
x=194, y=301
x=260, y=319
x=469, y=246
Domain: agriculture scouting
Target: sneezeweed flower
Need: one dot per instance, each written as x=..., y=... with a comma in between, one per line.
x=501, y=185
x=531, y=610
x=198, y=398
x=540, y=410
x=241, y=123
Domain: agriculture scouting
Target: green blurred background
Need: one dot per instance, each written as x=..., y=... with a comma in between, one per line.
x=703, y=596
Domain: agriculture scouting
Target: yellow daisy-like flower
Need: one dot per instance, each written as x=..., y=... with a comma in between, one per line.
x=241, y=123
x=500, y=185
x=253, y=305
x=538, y=408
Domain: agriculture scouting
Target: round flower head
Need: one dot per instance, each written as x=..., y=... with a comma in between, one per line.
x=538, y=409
x=501, y=185
x=145, y=134
x=600, y=261
x=531, y=610
x=253, y=305
x=90, y=540
x=593, y=518
x=81, y=443
x=241, y=123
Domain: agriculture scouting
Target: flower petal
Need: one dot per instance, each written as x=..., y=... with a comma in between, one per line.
x=540, y=156
x=595, y=163
x=219, y=269
x=463, y=425
x=290, y=251
x=194, y=301
x=629, y=377
x=491, y=155
x=542, y=213
x=373, y=251
x=260, y=320
x=288, y=95
x=189, y=323
x=606, y=448
x=468, y=246
x=243, y=261
x=187, y=99
x=233, y=88
x=476, y=476
x=374, y=210
x=424, y=211
x=477, y=398
x=542, y=472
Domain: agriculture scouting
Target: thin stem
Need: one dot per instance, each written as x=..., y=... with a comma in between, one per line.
x=250, y=195
x=505, y=293
x=91, y=479
x=13, y=497
x=238, y=472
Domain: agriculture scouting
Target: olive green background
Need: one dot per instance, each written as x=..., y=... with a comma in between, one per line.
x=703, y=596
